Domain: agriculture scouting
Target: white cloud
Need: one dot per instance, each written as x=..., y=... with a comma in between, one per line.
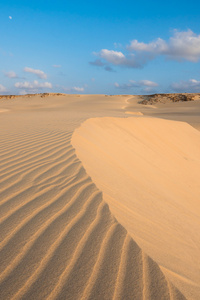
x=78, y=89
x=74, y=89
x=38, y=73
x=147, y=83
x=23, y=92
x=57, y=66
x=158, y=46
x=117, y=45
x=137, y=84
x=189, y=86
x=33, y=85
x=183, y=45
x=11, y=74
x=2, y=88
x=111, y=56
x=117, y=58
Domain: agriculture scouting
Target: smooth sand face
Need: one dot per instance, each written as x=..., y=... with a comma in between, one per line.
x=149, y=172
x=58, y=237
x=3, y=110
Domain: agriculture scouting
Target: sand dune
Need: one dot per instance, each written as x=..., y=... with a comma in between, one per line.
x=149, y=172
x=58, y=237
x=137, y=113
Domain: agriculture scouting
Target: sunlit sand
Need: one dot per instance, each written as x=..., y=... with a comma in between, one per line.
x=99, y=198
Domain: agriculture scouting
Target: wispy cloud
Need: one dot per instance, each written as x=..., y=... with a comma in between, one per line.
x=111, y=56
x=40, y=74
x=189, y=86
x=74, y=89
x=11, y=74
x=56, y=66
x=109, y=69
x=2, y=88
x=147, y=83
x=78, y=89
x=34, y=86
x=136, y=84
x=158, y=46
x=99, y=63
x=118, y=58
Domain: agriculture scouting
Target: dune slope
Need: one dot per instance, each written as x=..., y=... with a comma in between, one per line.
x=58, y=237
x=149, y=172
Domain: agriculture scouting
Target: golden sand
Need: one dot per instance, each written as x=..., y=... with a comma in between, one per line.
x=95, y=203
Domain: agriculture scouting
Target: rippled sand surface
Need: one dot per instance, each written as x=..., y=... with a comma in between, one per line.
x=60, y=237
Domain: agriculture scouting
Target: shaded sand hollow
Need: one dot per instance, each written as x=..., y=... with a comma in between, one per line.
x=72, y=230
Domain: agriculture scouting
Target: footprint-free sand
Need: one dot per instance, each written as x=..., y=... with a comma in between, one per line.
x=99, y=198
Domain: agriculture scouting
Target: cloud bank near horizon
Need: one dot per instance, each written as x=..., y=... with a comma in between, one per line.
x=145, y=86
x=27, y=87
x=2, y=88
x=133, y=83
x=190, y=86
x=33, y=85
x=74, y=89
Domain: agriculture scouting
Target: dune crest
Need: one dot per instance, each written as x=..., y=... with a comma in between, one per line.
x=58, y=237
x=137, y=113
x=149, y=172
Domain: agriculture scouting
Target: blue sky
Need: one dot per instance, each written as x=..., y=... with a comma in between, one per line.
x=108, y=47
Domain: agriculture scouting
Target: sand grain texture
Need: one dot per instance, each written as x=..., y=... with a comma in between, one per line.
x=58, y=237
x=149, y=172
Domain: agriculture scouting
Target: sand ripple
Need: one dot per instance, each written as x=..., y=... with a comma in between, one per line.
x=58, y=239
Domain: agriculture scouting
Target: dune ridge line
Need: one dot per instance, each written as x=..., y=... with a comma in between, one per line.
x=59, y=236
x=149, y=172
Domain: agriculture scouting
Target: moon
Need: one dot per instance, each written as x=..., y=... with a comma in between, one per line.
x=10, y=17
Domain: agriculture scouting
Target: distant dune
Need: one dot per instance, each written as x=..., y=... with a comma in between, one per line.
x=166, y=98
x=98, y=200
